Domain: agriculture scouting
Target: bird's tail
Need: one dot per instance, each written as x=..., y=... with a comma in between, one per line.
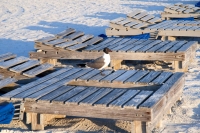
x=81, y=65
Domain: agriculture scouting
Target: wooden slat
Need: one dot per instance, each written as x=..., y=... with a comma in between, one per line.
x=7, y=56
x=123, y=22
x=150, y=45
x=141, y=25
x=148, y=17
x=45, y=84
x=132, y=14
x=84, y=38
x=65, y=33
x=117, y=20
x=55, y=42
x=136, y=77
x=88, y=75
x=124, y=76
x=64, y=97
x=6, y=82
x=34, y=83
x=154, y=20
x=82, y=95
x=120, y=101
x=162, y=78
x=66, y=44
x=149, y=77
x=104, y=101
x=186, y=46
x=134, y=49
x=25, y=66
x=138, y=99
x=73, y=35
x=95, y=96
x=130, y=42
x=151, y=101
x=141, y=15
x=156, y=47
x=37, y=70
x=98, y=77
x=131, y=24
x=54, y=94
x=79, y=74
x=45, y=39
x=113, y=76
x=122, y=42
x=13, y=62
x=176, y=47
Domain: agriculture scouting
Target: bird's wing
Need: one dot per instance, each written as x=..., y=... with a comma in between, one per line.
x=97, y=63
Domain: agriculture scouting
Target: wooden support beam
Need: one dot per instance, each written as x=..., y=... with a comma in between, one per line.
x=50, y=61
x=36, y=122
x=139, y=127
x=172, y=38
x=116, y=64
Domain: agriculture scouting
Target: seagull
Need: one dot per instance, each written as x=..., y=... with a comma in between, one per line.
x=101, y=62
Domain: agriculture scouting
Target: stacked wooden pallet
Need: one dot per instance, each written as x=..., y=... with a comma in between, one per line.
x=134, y=95
x=181, y=52
x=68, y=40
x=180, y=10
x=22, y=65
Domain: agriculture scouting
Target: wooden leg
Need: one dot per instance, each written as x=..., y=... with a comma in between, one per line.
x=116, y=64
x=50, y=61
x=36, y=123
x=178, y=66
x=28, y=118
x=139, y=127
x=171, y=38
x=164, y=38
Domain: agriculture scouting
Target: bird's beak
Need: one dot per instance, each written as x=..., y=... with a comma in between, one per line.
x=109, y=50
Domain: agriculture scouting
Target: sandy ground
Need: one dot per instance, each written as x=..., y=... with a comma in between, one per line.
x=22, y=22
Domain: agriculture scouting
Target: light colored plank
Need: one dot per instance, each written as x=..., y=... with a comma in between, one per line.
x=73, y=36
x=162, y=78
x=65, y=33
x=6, y=82
x=136, y=77
x=132, y=14
x=141, y=15
x=7, y=56
x=124, y=76
x=117, y=20
x=113, y=76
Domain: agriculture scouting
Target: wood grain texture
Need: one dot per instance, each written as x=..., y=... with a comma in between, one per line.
x=7, y=56
x=6, y=81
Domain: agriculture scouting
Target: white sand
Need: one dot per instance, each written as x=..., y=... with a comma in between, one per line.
x=23, y=21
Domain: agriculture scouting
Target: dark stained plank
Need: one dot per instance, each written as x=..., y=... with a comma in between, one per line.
x=13, y=62
x=22, y=67
x=90, y=100
x=34, y=89
x=138, y=99
x=88, y=75
x=151, y=101
x=65, y=33
x=73, y=35
x=6, y=81
x=98, y=77
x=176, y=47
x=82, y=95
x=7, y=56
x=110, y=97
x=113, y=76
x=124, y=76
x=35, y=83
x=166, y=47
x=130, y=42
x=186, y=46
x=54, y=94
x=156, y=47
x=40, y=93
x=37, y=70
x=64, y=97
x=148, y=46
x=149, y=77
x=136, y=77
x=162, y=78
x=120, y=101
x=88, y=48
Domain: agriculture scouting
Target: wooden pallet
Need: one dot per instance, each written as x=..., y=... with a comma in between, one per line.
x=68, y=40
x=180, y=10
x=181, y=53
x=134, y=95
x=22, y=65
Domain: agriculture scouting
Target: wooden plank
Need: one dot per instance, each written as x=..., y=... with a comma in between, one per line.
x=122, y=42
x=65, y=33
x=166, y=47
x=45, y=39
x=151, y=101
x=13, y=62
x=176, y=47
x=54, y=94
x=73, y=35
x=36, y=95
x=162, y=78
x=150, y=45
x=66, y=44
x=158, y=46
x=37, y=70
x=95, y=96
x=88, y=48
x=7, y=56
x=124, y=49
x=136, y=77
x=154, y=20
x=141, y=15
x=84, y=38
x=117, y=20
x=130, y=42
x=134, y=49
x=124, y=98
x=113, y=76
x=124, y=76
x=138, y=99
x=82, y=95
x=148, y=17
x=55, y=42
x=141, y=25
x=6, y=81
x=104, y=101
x=123, y=22
x=34, y=83
x=131, y=24
x=186, y=46
x=149, y=77
x=98, y=77
x=45, y=84
x=89, y=75
x=132, y=14
x=25, y=66
x=64, y=97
